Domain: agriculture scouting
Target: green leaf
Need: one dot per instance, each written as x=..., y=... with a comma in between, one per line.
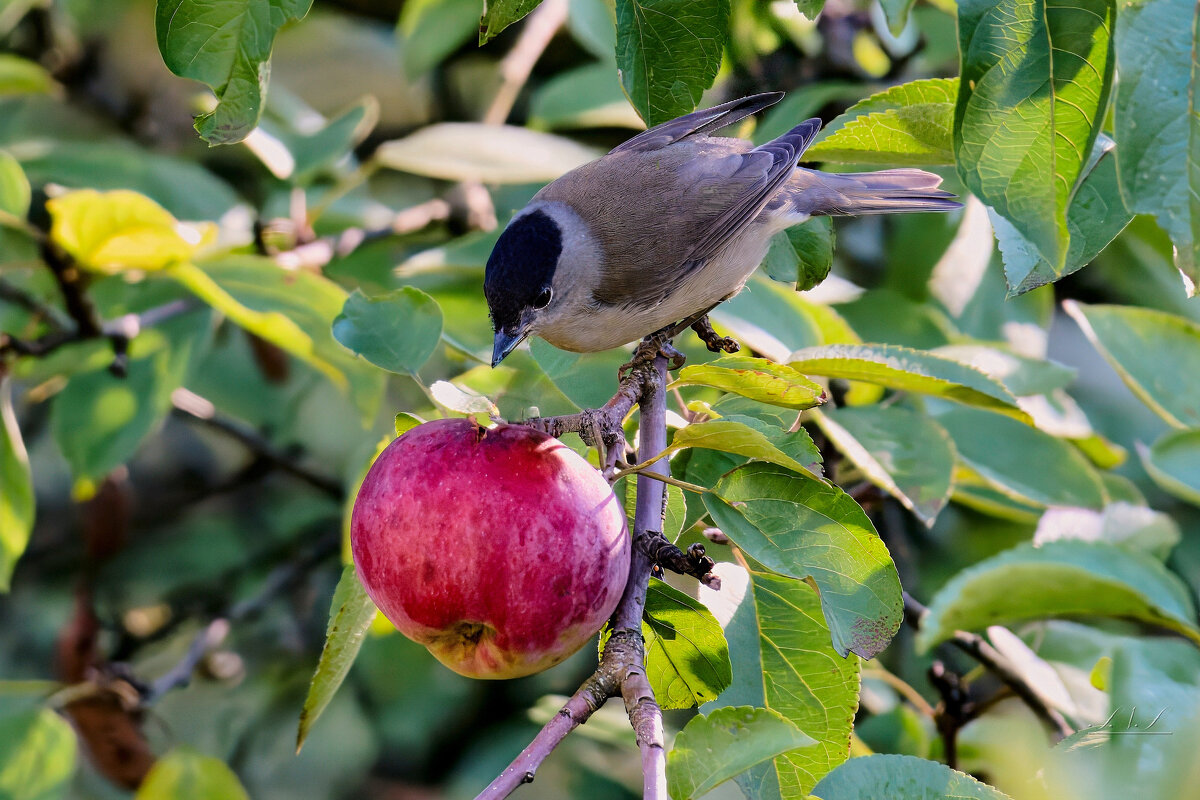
x=1035, y=81
x=1173, y=462
x=896, y=13
x=184, y=774
x=908, y=370
x=909, y=777
x=906, y=454
x=687, y=657
x=227, y=45
x=473, y=151
x=430, y=30
x=802, y=103
x=499, y=14
x=811, y=529
x=714, y=748
x=1157, y=119
x=803, y=254
x=1023, y=462
x=589, y=380
x=755, y=378
x=22, y=76
x=674, y=510
x=1094, y=218
x=15, y=192
x=1021, y=375
x=121, y=230
x=752, y=438
x=585, y=97
x=1060, y=579
x=1157, y=355
x=37, y=755
x=810, y=8
x=292, y=309
x=350, y=614
x=314, y=150
x=397, y=331
x=16, y=490
x=669, y=52
x=782, y=660
x=1121, y=524
x=100, y=420
x=910, y=124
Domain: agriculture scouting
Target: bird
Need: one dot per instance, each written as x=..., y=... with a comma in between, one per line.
x=649, y=238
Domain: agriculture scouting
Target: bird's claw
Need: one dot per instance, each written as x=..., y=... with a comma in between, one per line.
x=650, y=348
x=712, y=340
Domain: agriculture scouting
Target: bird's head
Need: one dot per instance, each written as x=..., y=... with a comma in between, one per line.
x=518, y=282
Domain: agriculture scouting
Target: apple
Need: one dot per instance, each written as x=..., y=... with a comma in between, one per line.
x=499, y=549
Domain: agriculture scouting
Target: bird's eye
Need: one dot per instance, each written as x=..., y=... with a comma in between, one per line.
x=543, y=299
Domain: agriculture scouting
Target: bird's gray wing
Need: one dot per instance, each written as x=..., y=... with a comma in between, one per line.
x=698, y=122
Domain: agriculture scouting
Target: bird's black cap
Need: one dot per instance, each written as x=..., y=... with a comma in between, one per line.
x=521, y=268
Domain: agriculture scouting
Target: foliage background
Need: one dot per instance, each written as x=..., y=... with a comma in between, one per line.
x=161, y=522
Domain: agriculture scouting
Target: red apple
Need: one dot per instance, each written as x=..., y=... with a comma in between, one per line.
x=501, y=550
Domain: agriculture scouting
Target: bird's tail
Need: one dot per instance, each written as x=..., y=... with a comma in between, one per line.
x=890, y=191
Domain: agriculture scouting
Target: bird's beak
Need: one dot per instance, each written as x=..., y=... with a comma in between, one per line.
x=505, y=343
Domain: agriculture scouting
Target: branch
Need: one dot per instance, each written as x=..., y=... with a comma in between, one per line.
x=994, y=661
x=193, y=406
x=622, y=666
x=539, y=28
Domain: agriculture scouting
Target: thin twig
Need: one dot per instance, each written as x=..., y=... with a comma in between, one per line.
x=994, y=661
x=539, y=28
x=19, y=297
x=193, y=406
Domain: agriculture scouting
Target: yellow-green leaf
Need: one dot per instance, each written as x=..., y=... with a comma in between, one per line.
x=756, y=378
x=184, y=774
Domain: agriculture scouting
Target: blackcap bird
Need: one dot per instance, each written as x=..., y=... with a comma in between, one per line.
x=666, y=226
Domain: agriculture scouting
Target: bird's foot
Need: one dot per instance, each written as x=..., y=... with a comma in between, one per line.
x=655, y=345
x=711, y=339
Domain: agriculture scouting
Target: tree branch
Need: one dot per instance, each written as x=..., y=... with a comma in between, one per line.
x=994, y=661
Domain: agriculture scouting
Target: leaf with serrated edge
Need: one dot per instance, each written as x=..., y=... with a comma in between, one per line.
x=813, y=529
x=910, y=124
x=902, y=777
x=755, y=378
x=782, y=660
x=1156, y=119
x=1173, y=462
x=1157, y=355
x=1035, y=79
x=714, y=748
x=908, y=370
x=906, y=454
x=350, y=615
x=227, y=45
x=687, y=657
x=1060, y=579
x=752, y=438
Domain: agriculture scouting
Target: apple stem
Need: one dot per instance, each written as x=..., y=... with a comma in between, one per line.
x=622, y=667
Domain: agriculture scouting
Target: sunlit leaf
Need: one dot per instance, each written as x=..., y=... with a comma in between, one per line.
x=1060, y=579
x=1021, y=375
x=909, y=124
x=350, y=614
x=1023, y=462
x=1122, y=524
x=470, y=151
x=687, y=658
x=906, y=454
x=1174, y=464
x=585, y=97
x=752, y=438
x=22, y=76
x=15, y=192
x=782, y=660
x=1155, y=353
x=1035, y=81
x=755, y=378
x=714, y=748
x=908, y=370
x=227, y=45
x=122, y=230
x=184, y=774
x=397, y=331
x=901, y=776
x=1157, y=126
x=37, y=755
x=16, y=490
x=811, y=529
x=669, y=52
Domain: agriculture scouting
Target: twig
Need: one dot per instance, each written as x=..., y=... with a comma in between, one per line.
x=19, y=297
x=316, y=254
x=193, y=406
x=994, y=661
x=622, y=665
x=539, y=28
